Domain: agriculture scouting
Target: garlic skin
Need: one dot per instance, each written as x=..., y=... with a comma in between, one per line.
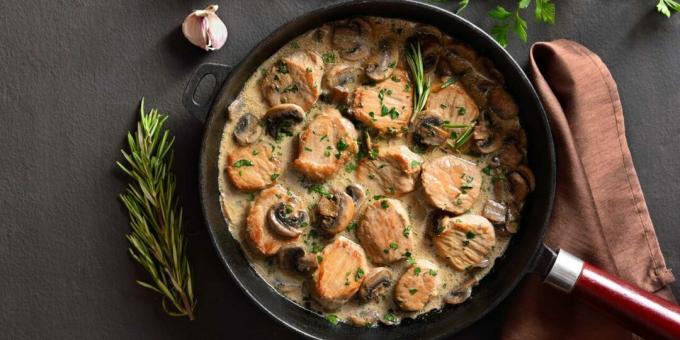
x=205, y=29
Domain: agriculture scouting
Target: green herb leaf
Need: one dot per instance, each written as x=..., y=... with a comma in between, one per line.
x=241, y=163
x=333, y=319
x=462, y=4
x=499, y=13
x=520, y=27
x=452, y=80
x=412, y=291
x=328, y=58
x=500, y=33
x=524, y=4
x=274, y=176
x=545, y=11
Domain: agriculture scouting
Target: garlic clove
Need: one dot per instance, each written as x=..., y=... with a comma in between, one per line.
x=205, y=29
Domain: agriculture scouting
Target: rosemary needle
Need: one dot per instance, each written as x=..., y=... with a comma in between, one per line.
x=422, y=87
x=157, y=241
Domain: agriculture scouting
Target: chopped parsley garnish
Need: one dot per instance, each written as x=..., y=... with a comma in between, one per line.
x=412, y=291
x=360, y=273
x=377, y=197
x=274, y=176
x=390, y=317
x=465, y=243
x=319, y=258
x=487, y=170
x=394, y=246
x=242, y=162
x=417, y=271
x=395, y=79
x=440, y=229
x=251, y=197
x=409, y=258
x=294, y=44
x=281, y=67
x=385, y=205
x=255, y=152
x=432, y=272
x=307, y=149
x=373, y=154
x=392, y=65
x=332, y=318
x=351, y=166
x=323, y=137
x=327, y=153
x=342, y=146
x=290, y=88
x=415, y=164
x=351, y=226
x=407, y=231
x=328, y=57
x=321, y=190
x=470, y=235
x=461, y=110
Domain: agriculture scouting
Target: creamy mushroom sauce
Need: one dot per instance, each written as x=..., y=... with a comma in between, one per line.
x=236, y=203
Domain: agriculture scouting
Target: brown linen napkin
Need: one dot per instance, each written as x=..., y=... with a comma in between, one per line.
x=600, y=212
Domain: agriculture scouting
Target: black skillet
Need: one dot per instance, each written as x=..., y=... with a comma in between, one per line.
x=643, y=312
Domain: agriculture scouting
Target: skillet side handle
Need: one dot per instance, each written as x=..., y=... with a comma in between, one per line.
x=200, y=110
x=643, y=313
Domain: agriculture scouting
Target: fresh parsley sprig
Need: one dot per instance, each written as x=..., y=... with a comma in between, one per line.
x=666, y=6
x=506, y=20
x=157, y=240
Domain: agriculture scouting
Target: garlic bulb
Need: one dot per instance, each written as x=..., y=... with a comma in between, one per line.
x=205, y=29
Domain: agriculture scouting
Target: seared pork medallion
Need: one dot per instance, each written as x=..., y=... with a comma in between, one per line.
x=374, y=169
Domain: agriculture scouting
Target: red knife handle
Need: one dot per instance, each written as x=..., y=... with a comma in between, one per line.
x=643, y=313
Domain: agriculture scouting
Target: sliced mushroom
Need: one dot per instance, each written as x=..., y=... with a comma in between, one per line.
x=377, y=281
x=528, y=176
x=247, y=130
x=518, y=187
x=512, y=220
x=294, y=258
x=351, y=38
x=428, y=130
x=494, y=161
x=364, y=318
x=281, y=119
x=460, y=294
x=502, y=103
x=466, y=241
x=417, y=286
x=258, y=232
x=335, y=212
x=494, y=212
x=511, y=156
x=342, y=80
x=285, y=221
x=381, y=64
x=489, y=141
x=357, y=192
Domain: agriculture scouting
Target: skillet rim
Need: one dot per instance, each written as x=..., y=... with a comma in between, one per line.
x=352, y=6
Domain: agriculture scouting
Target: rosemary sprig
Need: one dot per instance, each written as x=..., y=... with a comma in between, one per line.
x=422, y=87
x=157, y=241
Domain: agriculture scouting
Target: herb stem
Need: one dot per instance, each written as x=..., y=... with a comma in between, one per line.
x=422, y=87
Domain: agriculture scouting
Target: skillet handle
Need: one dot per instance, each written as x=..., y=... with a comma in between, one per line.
x=200, y=110
x=641, y=312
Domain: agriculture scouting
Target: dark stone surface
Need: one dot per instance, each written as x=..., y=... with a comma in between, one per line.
x=73, y=73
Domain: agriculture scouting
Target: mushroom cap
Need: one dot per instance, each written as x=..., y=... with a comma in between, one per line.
x=283, y=220
x=247, y=130
x=282, y=118
x=351, y=37
x=376, y=283
x=383, y=62
x=335, y=212
x=258, y=233
x=295, y=258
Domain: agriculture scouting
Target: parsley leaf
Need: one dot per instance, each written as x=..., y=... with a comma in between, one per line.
x=666, y=6
x=545, y=11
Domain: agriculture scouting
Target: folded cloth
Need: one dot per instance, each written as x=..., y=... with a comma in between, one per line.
x=600, y=212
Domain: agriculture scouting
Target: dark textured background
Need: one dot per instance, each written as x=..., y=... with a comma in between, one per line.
x=72, y=74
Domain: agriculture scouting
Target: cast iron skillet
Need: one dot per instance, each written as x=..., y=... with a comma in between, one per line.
x=526, y=253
